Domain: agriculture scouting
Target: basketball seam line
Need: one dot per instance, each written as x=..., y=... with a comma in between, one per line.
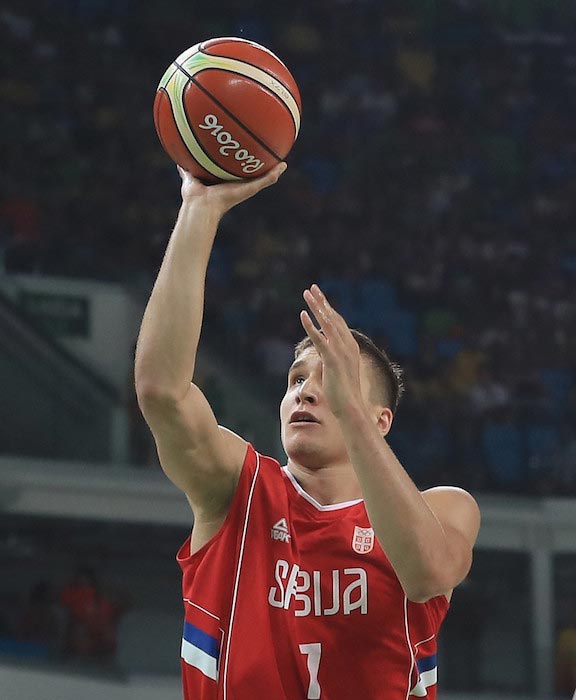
x=268, y=72
x=264, y=87
x=184, y=142
x=173, y=73
x=227, y=111
x=201, y=49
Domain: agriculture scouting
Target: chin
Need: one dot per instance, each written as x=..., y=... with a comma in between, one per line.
x=306, y=452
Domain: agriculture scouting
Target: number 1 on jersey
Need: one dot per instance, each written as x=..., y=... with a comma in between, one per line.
x=313, y=653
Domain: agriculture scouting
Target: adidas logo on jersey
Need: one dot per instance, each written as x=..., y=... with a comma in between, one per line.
x=280, y=531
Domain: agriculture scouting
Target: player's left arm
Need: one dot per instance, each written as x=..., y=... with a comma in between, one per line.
x=428, y=537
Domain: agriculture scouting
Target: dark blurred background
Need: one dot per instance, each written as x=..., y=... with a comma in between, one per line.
x=431, y=193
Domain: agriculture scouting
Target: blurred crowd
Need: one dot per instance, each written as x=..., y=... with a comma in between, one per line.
x=432, y=193
x=74, y=622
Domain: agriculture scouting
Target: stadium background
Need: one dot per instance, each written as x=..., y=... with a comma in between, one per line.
x=431, y=192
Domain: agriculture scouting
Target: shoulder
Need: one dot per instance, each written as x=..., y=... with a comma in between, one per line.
x=455, y=507
x=449, y=495
x=233, y=442
x=252, y=462
x=245, y=497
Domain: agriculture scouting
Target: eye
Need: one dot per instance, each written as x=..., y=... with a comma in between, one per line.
x=298, y=379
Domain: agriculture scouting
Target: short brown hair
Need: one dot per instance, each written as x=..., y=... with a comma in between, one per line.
x=390, y=385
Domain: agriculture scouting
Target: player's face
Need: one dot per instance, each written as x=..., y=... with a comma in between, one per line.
x=311, y=433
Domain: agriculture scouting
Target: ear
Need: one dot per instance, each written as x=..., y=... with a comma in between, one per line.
x=384, y=419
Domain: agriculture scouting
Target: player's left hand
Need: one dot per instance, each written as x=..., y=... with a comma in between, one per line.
x=338, y=351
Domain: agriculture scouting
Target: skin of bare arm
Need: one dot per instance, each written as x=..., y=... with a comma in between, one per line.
x=203, y=459
x=428, y=537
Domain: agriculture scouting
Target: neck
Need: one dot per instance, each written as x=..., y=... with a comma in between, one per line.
x=327, y=485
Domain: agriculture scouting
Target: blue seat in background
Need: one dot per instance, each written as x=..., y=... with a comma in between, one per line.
x=568, y=262
x=558, y=382
x=541, y=439
x=402, y=334
x=447, y=348
x=377, y=292
x=322, y=173
x=405, y=444
x=342, y=295
x=23, y=649
x=503, y=451
x=238, y=319
x=371, y=306
x=376, y=301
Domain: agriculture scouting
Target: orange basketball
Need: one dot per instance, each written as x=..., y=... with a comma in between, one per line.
x=227, y=109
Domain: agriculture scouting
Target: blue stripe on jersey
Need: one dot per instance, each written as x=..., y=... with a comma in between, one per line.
x=195, y=636
x=427, y=663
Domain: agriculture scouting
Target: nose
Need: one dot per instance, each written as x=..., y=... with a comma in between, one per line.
x=308, y=392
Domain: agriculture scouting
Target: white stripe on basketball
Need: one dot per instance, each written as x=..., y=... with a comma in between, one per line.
x=236, y=40
x=237, y=579
x=196, y=62
x=185, y=55
x=198, y=658
x=174, y=87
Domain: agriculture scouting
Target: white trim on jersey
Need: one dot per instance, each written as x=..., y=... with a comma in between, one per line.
x=237, y=579
x=199, y=607
x=313, y=501
x=423, y=641
x=194, y=656
x=409, y=643
x=425, y=678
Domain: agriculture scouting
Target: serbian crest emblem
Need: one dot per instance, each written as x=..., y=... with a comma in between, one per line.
x=363, y=539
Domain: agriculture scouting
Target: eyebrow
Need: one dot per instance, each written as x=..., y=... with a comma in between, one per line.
x=296, y=364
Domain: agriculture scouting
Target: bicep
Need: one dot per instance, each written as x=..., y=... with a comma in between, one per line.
x=198, y=456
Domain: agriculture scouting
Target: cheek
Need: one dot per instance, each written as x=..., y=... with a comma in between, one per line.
x=284, y=407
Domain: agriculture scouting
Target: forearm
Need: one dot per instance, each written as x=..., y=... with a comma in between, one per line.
x=170, y=330
x=407, y=529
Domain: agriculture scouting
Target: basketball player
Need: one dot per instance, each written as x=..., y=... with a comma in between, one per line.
x=327, y=579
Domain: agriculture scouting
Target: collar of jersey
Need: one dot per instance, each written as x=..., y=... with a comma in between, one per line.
x=313, y=501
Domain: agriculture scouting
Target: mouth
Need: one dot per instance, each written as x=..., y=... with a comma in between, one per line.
x=303, y=418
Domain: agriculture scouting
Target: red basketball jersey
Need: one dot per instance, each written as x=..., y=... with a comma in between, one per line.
x=292, y=600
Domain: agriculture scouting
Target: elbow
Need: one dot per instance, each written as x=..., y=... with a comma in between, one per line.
x=421, y=595
x=157, y=389
x=146, y=391
x=437, y=574
x=427, y=586
x=152, y=397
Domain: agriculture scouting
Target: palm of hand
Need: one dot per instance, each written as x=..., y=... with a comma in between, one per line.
x=337, y=348
x=226, y=195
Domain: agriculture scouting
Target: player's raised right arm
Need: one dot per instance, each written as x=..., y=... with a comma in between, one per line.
x=199, y=457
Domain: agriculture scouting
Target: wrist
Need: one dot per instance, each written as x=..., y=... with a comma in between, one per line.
x=201, y=209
